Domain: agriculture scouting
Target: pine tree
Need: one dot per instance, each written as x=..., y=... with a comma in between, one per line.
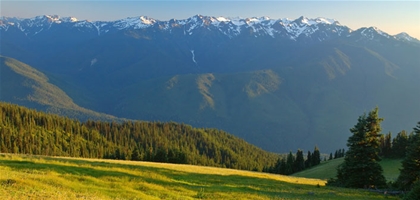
x=387, y=147
x=382, y=145
x=299, y=162
x=283, y=166
x=360, y=167
x=289, y=164
x=308, y=161
x=276, y=169
x=410, y=172
x=316, y=157
x=414, y=193
x=136, y=154
x=399, y=145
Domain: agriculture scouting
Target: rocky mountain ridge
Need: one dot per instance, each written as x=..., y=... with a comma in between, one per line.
x=317, y=29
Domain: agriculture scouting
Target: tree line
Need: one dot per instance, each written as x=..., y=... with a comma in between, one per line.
x=27, y=131
x=290, y=163
x=395, y=147
x=361, y=169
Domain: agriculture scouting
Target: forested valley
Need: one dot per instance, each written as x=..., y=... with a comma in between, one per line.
x=28, y=131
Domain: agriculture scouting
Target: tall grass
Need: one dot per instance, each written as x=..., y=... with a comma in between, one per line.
x=39, y=177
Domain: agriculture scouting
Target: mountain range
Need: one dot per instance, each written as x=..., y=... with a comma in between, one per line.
x=280, y=84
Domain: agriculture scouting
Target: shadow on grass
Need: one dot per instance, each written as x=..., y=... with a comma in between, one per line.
x=210, y=183
x=175, y=179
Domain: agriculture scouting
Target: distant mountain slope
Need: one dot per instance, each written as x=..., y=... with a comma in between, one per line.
x=278, y=83
x=313, y=102
x=236, y=102
x=24, y=85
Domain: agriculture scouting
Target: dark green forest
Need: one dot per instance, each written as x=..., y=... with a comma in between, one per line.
x=290, y=163
x=28, y=131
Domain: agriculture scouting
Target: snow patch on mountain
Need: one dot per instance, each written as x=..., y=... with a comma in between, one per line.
x=406, y=38
x=193, y=57
x=371, y=32
x=134, y=23
x=318, y=29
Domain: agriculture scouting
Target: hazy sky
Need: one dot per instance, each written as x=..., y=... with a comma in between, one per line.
x=390, y=16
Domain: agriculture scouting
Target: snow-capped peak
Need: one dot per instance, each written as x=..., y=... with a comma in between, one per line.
x=53, y=17
x=369, y=32
x=134, y=22
x=256, y=20
x=69, y=19
x=146, y=20
x=222, y=19
x=405, y=37
x=318, y=29
x=325, y=21
x=319, y=20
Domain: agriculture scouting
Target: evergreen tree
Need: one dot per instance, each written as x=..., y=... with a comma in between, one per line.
x=161, y=155
x=385, y=145
x=382, y=145
x=360, y=167
x=289, y=164
x=414, y=193
x=388, y=146
x=299, y=162
x=331, y=156
x=410, y=172
x=276, y=168
x=399, y=145
x=316, y=157
x=283, y=166
x=136, y=154
x=308, y=161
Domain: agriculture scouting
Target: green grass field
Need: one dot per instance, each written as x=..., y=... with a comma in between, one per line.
x=328, y=169
x=324, y=171
x=391, y=168
x=39, y=177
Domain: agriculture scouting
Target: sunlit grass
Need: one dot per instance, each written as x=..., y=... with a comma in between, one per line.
x=38, y=177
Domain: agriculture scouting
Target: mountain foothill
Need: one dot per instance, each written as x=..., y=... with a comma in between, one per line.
x=278, y=84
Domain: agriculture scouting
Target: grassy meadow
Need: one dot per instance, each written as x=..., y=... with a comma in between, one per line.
x=328, y=169
x=41, y=177
x=324, y=171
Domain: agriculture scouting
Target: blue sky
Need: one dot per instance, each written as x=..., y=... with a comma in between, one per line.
x=390, y=16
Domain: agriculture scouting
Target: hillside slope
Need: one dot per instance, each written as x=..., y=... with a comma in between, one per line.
x=306, y=104
x=24, y=85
